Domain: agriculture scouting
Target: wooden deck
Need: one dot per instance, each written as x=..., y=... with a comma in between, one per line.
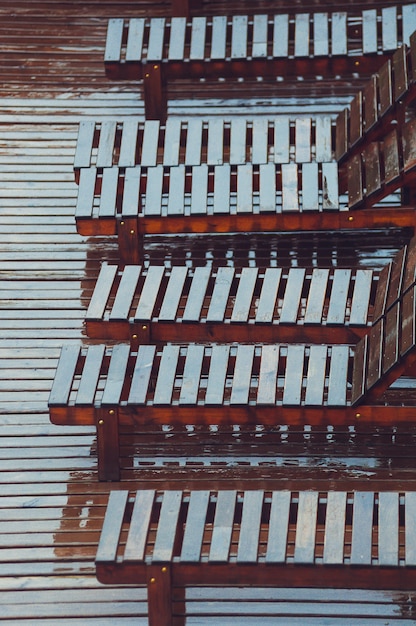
x=51, y=503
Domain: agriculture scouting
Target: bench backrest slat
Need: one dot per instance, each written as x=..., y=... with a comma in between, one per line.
x=167, y=527
x=192, y=375
x=218, y=40
x=339, y=296
x=361, y=297
x=335, y=523
x=172, y=296
x=88, y=384
x=222, y=526
x=241, y=383
x=410, y=529
x=315, y=375
x=116, y=375
x=267, y=187
x=294, y=289
x=65, y=372
x=156, y=39
x=195, y=526
x=172, y=142
x=220, y=294
x=109, y=191
x=260, y=36
x=166, y=375
x=128, y=144
x=176, y=201
x=362, y=528
x=370, y=31
x=248, y=541
x=106, y=143
x=135, y=549
x=239, y=27
x=389, y=28
x=85, y=140
x=131, y=192
x=199, y=190
x=150, y=143
x=316, y=297
x=114, y=40
x=177, y=39
x=388, y=528
x=306, y=527
x=278, y=527
x=193, y=148
x=338, y=376
x=244, y=296
x=292, y=386
x=217, y=375
x=320, y=34
x=268, y=295
x=149, y=293
x=110, y=532
x=141, y=375
x=99, y=298
x=196, y=294
x=266, y=393
x=125, y=293
x=301, y=35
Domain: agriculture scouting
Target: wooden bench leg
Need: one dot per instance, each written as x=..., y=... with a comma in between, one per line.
x=108, y=444
x=155, y=101
x=159, y=595
x=130, y=241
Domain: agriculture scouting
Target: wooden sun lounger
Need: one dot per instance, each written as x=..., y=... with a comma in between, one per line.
x=383, y=101
x=135, y=201
x=115, y=387
x=172, y=540
x=196, y=141
x=157, y=50
x=147, y=304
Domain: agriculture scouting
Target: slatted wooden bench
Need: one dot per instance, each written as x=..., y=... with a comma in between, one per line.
x=155, y=303
x=169, y=541
x=382, y=102
x=195, y=141
x=135, y=201
x=157, y=50
x=116, y=387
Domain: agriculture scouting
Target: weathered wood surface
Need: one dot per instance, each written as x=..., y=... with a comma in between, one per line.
x=51, y=504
